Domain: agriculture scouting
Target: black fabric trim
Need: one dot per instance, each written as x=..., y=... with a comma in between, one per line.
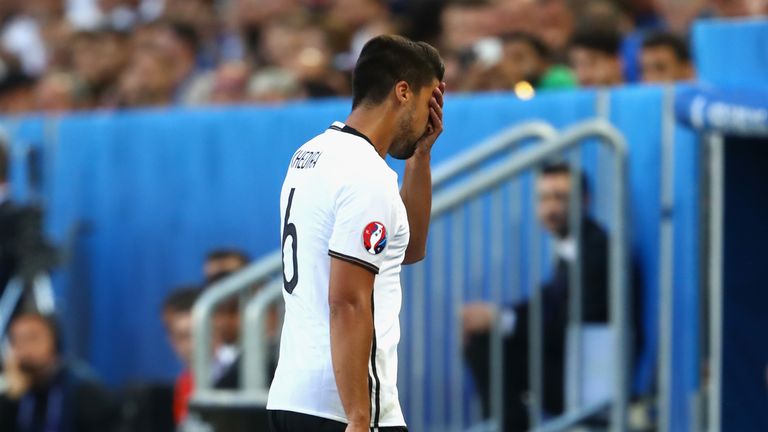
x=370, y=395
x=377, y=396
x=350, y=259
x=353, y=131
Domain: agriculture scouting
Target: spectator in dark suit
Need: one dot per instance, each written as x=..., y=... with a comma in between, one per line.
x=553, y=188
x=219, y=264
x=44, y=392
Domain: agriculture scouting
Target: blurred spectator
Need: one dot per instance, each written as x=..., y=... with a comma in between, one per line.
x=274, y=85
x=178, y=45
x=512, y=60
x=554, y=189
x=16, y=93
x=230, y=83
x=59, y=92
x=554, y=24
x=603, y=15
x=150, y=53
x=222, y=262
x=226, y=320
x=177, y=316
x=148, y=81
x=219, y=264
x=301, y=47
x=226, y=333
x=162, y=69
x=45, y=392
x=314, y=64
x=595, y=58
x=249, y=17
x=98, y=58
x=665, y=58
x=200, y=17
x=362, y=20
x=534, y=61
x=611, y=16
x=464, y=23
x=22, y=39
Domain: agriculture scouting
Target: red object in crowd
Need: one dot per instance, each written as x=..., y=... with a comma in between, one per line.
x=181, y=394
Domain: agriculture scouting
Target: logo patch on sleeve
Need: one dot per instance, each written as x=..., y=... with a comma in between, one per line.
x=375, y=238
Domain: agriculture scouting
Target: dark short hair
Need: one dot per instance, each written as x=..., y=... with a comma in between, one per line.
x=607, y=41
x=559, y=168
x=50, y=322
x=218, y=254
x=181, y=299
x=389, y=59
x=669, y=40
x=4, y=160
x=184, y=32
x=15, y=80
x=532, y=40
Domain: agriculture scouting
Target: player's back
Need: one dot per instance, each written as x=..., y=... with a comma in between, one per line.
x=319, y=209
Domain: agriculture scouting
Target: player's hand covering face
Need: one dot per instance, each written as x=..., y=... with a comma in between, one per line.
x=434, y=122
x=420, y=125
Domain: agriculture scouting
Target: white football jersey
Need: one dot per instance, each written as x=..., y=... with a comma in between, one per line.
x=339, y=199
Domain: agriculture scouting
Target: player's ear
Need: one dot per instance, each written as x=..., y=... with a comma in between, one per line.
x=402, y=92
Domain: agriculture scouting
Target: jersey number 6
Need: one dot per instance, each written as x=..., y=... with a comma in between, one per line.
x=289, y=230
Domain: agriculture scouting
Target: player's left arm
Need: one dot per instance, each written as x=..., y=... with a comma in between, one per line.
x=417, y=181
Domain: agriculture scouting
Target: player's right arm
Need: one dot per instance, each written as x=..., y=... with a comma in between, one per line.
x=363, y=210
x=351, y=325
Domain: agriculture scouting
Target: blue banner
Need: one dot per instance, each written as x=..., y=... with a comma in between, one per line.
x=729, y=111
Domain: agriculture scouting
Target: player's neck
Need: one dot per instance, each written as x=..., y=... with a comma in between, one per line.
x=377, y=123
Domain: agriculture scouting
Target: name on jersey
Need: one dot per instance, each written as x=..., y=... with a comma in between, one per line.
x=305, y=159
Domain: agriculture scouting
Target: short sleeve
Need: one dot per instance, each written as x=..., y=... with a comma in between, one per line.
x=363, y=219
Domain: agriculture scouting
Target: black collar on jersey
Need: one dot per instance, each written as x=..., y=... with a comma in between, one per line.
x=351, y=130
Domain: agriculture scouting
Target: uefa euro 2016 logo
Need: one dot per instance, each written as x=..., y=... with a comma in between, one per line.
x=374, y=238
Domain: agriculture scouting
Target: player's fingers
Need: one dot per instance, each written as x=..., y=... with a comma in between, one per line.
x=433, y=105
x=437, y=94
x=437, y=121
x=437, y=107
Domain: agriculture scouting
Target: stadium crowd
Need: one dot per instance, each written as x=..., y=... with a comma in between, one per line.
x=64, y=55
